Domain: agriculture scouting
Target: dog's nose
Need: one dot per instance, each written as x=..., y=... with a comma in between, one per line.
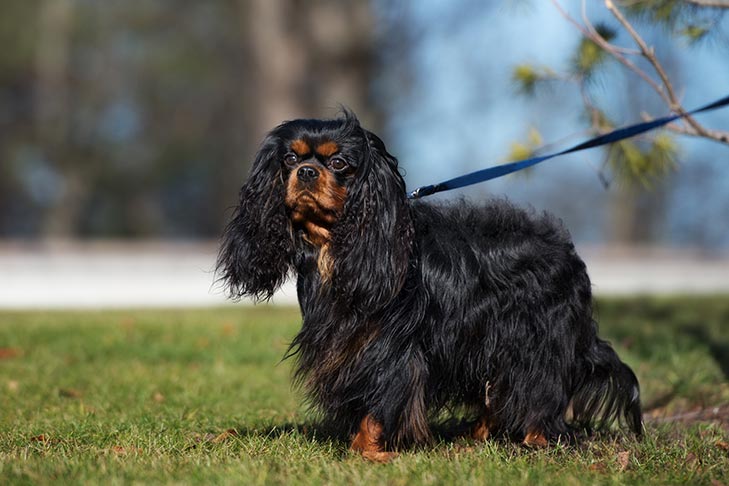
x=307, y=173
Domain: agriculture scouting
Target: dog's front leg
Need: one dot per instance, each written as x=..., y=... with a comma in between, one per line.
x=368, y=441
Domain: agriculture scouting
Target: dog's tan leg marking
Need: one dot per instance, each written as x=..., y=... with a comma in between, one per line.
x=482, y=429
x=535, y=438
x=368, y=441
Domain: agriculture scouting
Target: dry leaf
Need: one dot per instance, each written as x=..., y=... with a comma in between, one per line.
x=69, y=393
x=123, y=451
x=624, y=460
x=39, y=438
x=599, y=467
x=158, y=397
x=692, y=460
x=224, y=436
x=8, y=353
x=13, y=385
x=228, y=329
x=722, y=445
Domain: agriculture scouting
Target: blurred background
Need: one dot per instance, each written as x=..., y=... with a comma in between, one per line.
x=127, y=128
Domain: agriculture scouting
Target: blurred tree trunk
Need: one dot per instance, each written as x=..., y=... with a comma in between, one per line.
x=279, y=58
x=308, y=58
x=52, y=105
x=295, y=59
x=341, y=40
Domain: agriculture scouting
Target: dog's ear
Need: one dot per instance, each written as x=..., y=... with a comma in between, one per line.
x=372, y=241
x=257, y=249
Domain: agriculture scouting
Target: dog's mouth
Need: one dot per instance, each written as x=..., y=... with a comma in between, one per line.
x=315, y=208
x=306, y=207
x=308, y=214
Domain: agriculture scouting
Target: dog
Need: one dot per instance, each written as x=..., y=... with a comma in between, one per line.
x=413, y=310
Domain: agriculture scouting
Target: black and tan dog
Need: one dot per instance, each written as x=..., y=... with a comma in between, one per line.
x=411, y=308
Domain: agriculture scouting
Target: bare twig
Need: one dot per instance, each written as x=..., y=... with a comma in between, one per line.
x=648, y=53
x=710, y=3
x=595, y=33
x=605, y=45
x=717, y=135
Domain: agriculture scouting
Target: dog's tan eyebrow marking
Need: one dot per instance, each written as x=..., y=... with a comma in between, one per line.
x=300, y=147
x=327, y=149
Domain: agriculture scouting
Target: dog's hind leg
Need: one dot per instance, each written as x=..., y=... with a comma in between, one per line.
x=482, y=429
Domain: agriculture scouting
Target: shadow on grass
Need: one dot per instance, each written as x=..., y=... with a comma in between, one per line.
x=450, y=431
x=312, y=431
x=444, y=432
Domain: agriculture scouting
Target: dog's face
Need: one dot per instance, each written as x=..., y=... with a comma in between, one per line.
x=318, y=166
x=329, y=185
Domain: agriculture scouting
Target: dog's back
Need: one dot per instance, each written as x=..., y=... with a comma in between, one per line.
x=511, y=326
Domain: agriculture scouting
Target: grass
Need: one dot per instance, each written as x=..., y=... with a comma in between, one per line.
x=202, y=397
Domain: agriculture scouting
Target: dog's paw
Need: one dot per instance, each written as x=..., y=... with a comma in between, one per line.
x=382, y=457
x=535, y=439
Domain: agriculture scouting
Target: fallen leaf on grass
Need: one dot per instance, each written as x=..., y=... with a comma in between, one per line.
x=598, y=467
x=69, y=393
x=44, y=439
x=722, y=445
x=228, y=329
x=624, y=460
x=13, y=385
x=692, y=461
x=158, y=397
x=212, y=438
x=123, y=451
x=224, y=436
x=8, y=353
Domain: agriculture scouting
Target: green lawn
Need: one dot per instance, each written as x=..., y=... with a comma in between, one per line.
x=200, y=396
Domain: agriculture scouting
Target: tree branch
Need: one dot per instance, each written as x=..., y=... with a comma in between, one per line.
x=613, y=51
x=710, y=3
x=717, y=135
x=665, y=89
x=650, y=55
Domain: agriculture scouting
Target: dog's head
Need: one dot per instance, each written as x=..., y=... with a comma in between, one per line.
x=329, y=186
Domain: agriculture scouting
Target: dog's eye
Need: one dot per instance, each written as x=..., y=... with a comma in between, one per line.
x=290, y=159
x=338, y=163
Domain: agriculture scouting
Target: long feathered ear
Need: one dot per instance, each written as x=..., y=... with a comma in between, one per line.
x=257, y=246
x=372, y=242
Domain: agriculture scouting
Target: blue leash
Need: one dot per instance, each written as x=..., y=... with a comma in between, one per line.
x=501, y=170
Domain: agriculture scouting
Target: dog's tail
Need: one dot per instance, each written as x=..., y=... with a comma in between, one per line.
x=608, y=391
